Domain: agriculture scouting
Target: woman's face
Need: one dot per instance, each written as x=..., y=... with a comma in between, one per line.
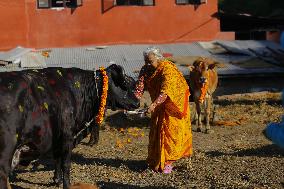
x=151, y=59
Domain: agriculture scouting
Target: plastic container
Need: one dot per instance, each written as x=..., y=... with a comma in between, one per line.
x=275, y=132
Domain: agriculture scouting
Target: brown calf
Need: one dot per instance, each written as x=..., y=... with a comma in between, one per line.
x=203, y=82
x=83, y=186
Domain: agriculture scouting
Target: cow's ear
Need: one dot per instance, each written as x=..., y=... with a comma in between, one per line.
x=116, y=70
x=116, y=73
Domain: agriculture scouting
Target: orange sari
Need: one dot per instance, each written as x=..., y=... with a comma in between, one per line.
x=170, y=135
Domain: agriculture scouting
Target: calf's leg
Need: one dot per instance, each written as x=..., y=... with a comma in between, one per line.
x=193, y=114
x=207, y=114
x=198, y=111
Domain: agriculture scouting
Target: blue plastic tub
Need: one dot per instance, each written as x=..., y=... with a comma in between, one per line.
x=275, y=132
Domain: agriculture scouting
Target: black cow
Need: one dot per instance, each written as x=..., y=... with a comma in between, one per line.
x=45, y=111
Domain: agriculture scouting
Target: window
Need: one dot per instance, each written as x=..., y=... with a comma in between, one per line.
x=109, y=4
x=135, y=2
x=193, y=2
x=250, y=35
x=59, y=3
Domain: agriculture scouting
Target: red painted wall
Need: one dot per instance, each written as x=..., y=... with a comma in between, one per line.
x=13, y=24
x=165, y=22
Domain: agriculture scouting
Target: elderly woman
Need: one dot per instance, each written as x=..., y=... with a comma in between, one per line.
x=170, y=135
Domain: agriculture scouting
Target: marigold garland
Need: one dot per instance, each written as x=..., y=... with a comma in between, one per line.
x=203, y=91
x=100, y=115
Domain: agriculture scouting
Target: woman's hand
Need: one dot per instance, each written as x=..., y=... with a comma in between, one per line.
x=161, y=98
x=151, y=108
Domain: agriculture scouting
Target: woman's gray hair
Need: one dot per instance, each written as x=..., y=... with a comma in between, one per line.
x=155, y=50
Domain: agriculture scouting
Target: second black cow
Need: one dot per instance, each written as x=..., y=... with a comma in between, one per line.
x=44, y=111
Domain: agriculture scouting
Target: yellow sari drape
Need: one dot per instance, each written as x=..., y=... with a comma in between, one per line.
x=170, y=135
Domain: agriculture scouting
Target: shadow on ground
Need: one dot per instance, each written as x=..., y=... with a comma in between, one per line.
x=120, y=120
x=134, y=165
x=247, y=102
x=112, y=185
x=37, y=165
x=264, y=151
x=30, y=182
x=16, y=187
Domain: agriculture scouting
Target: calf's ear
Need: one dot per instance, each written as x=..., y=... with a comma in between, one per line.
x=190, y=67
x=212, y=66
x=196, y=64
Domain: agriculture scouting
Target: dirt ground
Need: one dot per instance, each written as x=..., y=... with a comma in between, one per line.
x=236, y=155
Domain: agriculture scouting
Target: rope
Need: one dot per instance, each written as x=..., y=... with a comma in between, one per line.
x=87, y=124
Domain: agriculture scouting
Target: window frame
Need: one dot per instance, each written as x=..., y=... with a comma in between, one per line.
x=64, y=5
x=192, y=2
x=41, y=7
x=142, y=5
